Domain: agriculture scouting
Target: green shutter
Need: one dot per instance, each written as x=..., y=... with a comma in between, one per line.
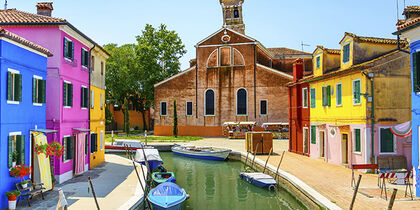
x=339, y=94
x=357, y=140
x=313, y=134
x=416, y=72
x=86, y=144
x=82, y=59
x=43, y=91
x=96, y=142
x=323, y=96
x=328, y=95
x=34, y=90
x=70, y=146
x=82, y=97
x=9, y=86
x=18, y=87
x=64, y=94
x=313, y=98
x=70, y=95
x=10, y=149
x=65, y=48
x=356, y=93
x=20, y=147
x=387, y=140
x=91, y=143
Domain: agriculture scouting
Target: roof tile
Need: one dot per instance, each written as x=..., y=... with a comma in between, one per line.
x=16, y=16
x=16, y=38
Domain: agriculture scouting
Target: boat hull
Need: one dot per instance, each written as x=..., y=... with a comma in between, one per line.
x=258, y=179
x=158, y=180
x=218, y=155
x=153, y=164
x=176, y=207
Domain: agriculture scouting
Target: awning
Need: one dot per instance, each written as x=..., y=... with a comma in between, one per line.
x=46, y=131
x=230, y=123
x=279, y=123
x=82, y=129
x=402, y=130
x=246, y=123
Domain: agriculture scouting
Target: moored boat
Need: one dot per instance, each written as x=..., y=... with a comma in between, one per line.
x=208, y=153
x=167, y=195
x=259, y=179
x=119, y=145
x=152, y=156
x=161, y=177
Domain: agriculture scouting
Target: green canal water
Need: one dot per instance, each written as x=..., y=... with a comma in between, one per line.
x=216, y=185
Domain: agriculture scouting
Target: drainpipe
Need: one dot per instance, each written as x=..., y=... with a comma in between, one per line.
x=372, y=130
x=399, y=47
x=90, y=105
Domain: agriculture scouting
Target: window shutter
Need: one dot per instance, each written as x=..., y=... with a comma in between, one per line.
x=102, y=101
x=86, y=98
x=70, y=146
x=91, y=143
x=82, y=97
x=86, y=144
x=416, y=71
x=323, y=96
x=96, y=142
x=313, y=134
x=65, y=48
x=72, y=50
x=20, y=147
x=10, y=145
x=70, y=95
x=328, y=95
x=34, y=90
x=92, y=102
x=313, y=98
x=44, y=91
x=18, y=87
x=9, y=86
x=64, y=94
x=82, y=54
x=339, y=93
x=357, y=133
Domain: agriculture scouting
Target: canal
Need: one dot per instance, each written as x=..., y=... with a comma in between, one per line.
x=216, y=185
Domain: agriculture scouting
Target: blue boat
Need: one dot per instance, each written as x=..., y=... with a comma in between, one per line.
x=259, y=179
x=167, y=195
x=207, y=153
x=152, y=156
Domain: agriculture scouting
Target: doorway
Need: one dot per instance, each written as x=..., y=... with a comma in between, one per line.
x=306, y=141
x=345, y=148
x=322, y=144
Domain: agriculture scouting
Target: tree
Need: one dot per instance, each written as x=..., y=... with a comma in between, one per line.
x=158, y=52
x=175, y=132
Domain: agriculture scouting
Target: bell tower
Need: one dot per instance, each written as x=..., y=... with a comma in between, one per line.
x=232, y=15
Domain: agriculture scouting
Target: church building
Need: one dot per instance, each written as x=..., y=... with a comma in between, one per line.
x=233, y=78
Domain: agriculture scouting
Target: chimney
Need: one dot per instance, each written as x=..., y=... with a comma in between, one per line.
x=297, y=70
x=44, y=8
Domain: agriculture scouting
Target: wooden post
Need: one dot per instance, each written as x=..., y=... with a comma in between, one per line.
x=355, y=192
x=93, y=192
x=255, y=152
x=112, y=138
x=145, y=137
x=275, y=178
x=268, y=158
x=246, y=159
x=391, y=202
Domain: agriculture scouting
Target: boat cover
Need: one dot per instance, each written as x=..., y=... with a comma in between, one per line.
x=167, y=189
x=151, y=155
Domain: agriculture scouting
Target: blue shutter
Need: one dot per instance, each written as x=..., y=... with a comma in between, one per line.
x=313, y=98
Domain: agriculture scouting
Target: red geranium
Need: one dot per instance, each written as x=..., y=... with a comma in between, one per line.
x=20, y=171
x=52, y=149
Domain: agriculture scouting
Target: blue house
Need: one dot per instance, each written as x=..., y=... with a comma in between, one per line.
x=22, y=103
x=410, y=29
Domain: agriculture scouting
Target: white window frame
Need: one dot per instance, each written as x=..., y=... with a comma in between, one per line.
x=14, y=72
x=266, y=107
x=186, y=108
x=102, y=140
x=217, y=58
x=69, y=40
x=68, y=160
x=38, y=78
x=66, y=107
x=246, y=100
x=308, y=135
x=81, y=62
x=353, y=82
x=347, y=43
x=380, y=140
x=336, y=94
x=303, y=98
x=82, y=86
x=160, y=108
x=205, y=105
x=102, y=101
x=92, y=99
x=354, y=140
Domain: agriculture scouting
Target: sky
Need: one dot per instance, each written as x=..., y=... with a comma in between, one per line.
x=274, y=23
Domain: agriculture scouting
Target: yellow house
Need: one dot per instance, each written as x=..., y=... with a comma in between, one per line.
x=343, y=107
x=97, y=106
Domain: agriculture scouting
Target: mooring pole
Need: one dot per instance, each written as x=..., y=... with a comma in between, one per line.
x=112, y=137
x=145, y=137
x=246, y=159
x=255, y=152
x=93, y=192
x=278, y=167
x=268, y=158
x=391, y=202
x=355, y=192
x=141, y=184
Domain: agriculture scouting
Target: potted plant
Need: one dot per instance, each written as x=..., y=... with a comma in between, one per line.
x=15, y=156
x=12, y=197
x=24, y=184
x=20, y=171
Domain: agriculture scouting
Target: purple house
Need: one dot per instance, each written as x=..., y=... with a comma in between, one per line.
x=67, y=98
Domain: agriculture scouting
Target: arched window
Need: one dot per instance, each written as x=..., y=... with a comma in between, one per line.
x=209, y=103
x=241, y=102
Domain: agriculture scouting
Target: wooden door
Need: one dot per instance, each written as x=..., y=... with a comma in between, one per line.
x=345, y=148
x=322, y=144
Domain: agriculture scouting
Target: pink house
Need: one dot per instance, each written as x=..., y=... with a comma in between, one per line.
x=67, y=98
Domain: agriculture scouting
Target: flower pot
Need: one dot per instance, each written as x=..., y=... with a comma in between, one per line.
x=13, y=164
x=24, y=185
x=12, y=204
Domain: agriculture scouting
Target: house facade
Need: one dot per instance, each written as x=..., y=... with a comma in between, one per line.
x=233, y=78
x=410, y=29
x=97, y=105
x=67, y=103
x=22, y=100
x=352, y=91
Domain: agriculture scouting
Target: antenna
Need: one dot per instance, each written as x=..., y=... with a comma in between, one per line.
x=5, y=4
x=397, y=11
x=303, y=55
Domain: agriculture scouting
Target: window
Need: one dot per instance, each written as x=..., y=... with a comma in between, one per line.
x=68, y=49
x=16, y=144
x=85, y=58
x=84, y=97
x=67, y=94
x=313, y=98
x=326, y=95
x=102, y=68
x=416, y=72
x=356, y=92
x=339, y=95
x=305, y=97
x=14, y=86
x=318, y=62
x=189, y=108
x=163, y=108
x=92, y=101
x=357, y=140
x=313, y=134
x=92, y=63
x=102, y=101
x=93, y=142
x=86, y=144
x=38, y=90
x=263, y=107
x=209, y=103
x=236, y=13
x=241, y=102
x=387, y=141
x=68, y=148
x=346, y=53
x=102, y=140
